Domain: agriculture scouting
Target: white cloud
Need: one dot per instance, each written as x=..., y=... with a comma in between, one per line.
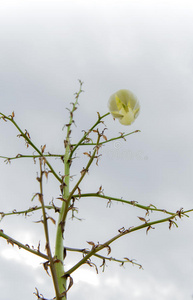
x=86, y=276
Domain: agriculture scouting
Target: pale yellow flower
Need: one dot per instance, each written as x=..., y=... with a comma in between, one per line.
x=124, y=106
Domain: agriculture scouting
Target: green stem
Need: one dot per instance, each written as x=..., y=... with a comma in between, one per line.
x=48, y=248
x=24, y=212
x=133, y=203
x=59, y=247
x=68, y=199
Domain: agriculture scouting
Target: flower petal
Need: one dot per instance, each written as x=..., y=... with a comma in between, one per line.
x=124, y=106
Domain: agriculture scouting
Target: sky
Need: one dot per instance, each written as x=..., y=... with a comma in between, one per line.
x=143, y=46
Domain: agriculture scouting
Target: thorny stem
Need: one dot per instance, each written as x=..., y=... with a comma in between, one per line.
x=24, y=212
x=99, y=247
x=59, y=248
x=86, y=134
x=133, y=203
x=122, y=136
x=28, y=140
x=8, y=159
x=85, y=251
x=26, y=247
x=48, y=248
x=83, y=173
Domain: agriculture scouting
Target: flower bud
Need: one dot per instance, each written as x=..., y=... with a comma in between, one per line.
x=124, y=106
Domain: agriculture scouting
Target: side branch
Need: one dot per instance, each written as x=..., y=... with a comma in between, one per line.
x=8, y=159
x=29, y=142
x=24, y=212
x=121, y=136
x=133, y=203
x=80, y=143
x=13, y=242
x=104, y=258
x=121, y=233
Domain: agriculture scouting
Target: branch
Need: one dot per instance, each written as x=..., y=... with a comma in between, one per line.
x=45, y=222
x=122, y=232
x=83, y=173
x=26, y=136
x=80, y=143
x=13, y=242
x=122, y=136
x=8, y=159
x=24, y=212
x=122, y=261
x=151, y=207
x=59, y=248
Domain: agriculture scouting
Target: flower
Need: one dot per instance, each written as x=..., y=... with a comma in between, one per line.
x=124, y=106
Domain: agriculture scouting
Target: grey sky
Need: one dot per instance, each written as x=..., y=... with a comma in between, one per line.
x=144, y=46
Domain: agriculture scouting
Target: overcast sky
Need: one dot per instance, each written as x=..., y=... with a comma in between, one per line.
x=144, y=46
